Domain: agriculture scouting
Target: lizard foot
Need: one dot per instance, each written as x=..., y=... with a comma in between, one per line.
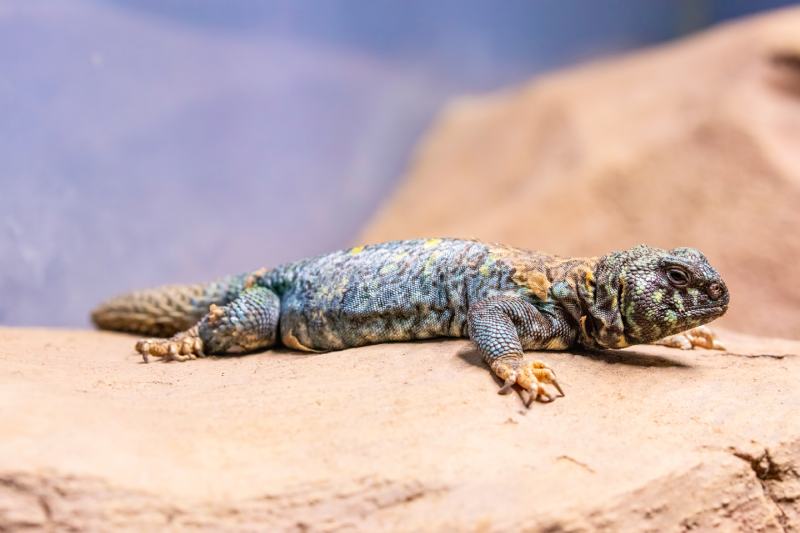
x=530, y=376
x=181, y=347
x=699, y=337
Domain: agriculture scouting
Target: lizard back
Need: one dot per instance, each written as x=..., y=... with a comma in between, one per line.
x=402, y=290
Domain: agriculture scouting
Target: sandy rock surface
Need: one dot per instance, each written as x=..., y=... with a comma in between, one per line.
x=404, y=436
x=696, y=143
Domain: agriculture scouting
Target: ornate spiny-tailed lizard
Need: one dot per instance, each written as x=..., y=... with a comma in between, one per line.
x=505, y=299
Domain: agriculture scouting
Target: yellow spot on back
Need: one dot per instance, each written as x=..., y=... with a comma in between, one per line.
x=356, y=250
x=430, y=243
x=533, y=280
x=430, y=262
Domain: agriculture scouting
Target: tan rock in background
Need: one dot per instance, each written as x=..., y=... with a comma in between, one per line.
x=695, y=143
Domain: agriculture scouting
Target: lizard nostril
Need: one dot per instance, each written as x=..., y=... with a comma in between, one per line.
x=714, y=291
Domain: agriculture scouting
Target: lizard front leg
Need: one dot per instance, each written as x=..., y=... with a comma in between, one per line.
x=699, y=337
x=248, y=323
x=502, y=326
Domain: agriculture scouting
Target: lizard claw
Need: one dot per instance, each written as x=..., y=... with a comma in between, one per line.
x=531, y=377
x=545, y=374
x=508, y=385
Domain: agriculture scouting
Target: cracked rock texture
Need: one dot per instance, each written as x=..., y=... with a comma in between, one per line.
x=409, y=436
x=696, y=143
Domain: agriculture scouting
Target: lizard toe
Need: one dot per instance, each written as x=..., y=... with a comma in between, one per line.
x=699, y=337
x=530, y=377
x=182, y=347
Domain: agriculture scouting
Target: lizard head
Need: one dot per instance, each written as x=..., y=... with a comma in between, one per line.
x=644, y=294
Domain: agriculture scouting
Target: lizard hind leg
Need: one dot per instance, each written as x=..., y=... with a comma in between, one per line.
x=248, y=323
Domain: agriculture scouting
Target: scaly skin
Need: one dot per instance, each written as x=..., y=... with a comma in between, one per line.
x=505, y=299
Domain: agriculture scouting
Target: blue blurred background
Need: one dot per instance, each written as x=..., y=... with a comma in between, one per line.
x=156, y=141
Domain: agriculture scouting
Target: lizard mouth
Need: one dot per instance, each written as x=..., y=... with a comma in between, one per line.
x=708, y=311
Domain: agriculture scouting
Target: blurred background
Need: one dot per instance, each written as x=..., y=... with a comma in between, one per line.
x=158, y=141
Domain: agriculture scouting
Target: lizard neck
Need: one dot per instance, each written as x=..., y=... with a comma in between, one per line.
x=602, y=324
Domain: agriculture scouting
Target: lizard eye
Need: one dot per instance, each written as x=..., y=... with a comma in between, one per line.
x=677, y=277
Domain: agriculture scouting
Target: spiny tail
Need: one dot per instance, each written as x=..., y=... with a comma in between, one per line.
x=164, y=311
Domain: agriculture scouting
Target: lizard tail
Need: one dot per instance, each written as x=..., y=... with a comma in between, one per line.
x=163, y=311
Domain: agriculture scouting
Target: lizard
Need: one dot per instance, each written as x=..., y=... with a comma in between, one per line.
x=506, y=299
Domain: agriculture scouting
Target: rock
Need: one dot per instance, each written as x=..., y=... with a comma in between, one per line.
x=696, y=143
x=405, y=436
